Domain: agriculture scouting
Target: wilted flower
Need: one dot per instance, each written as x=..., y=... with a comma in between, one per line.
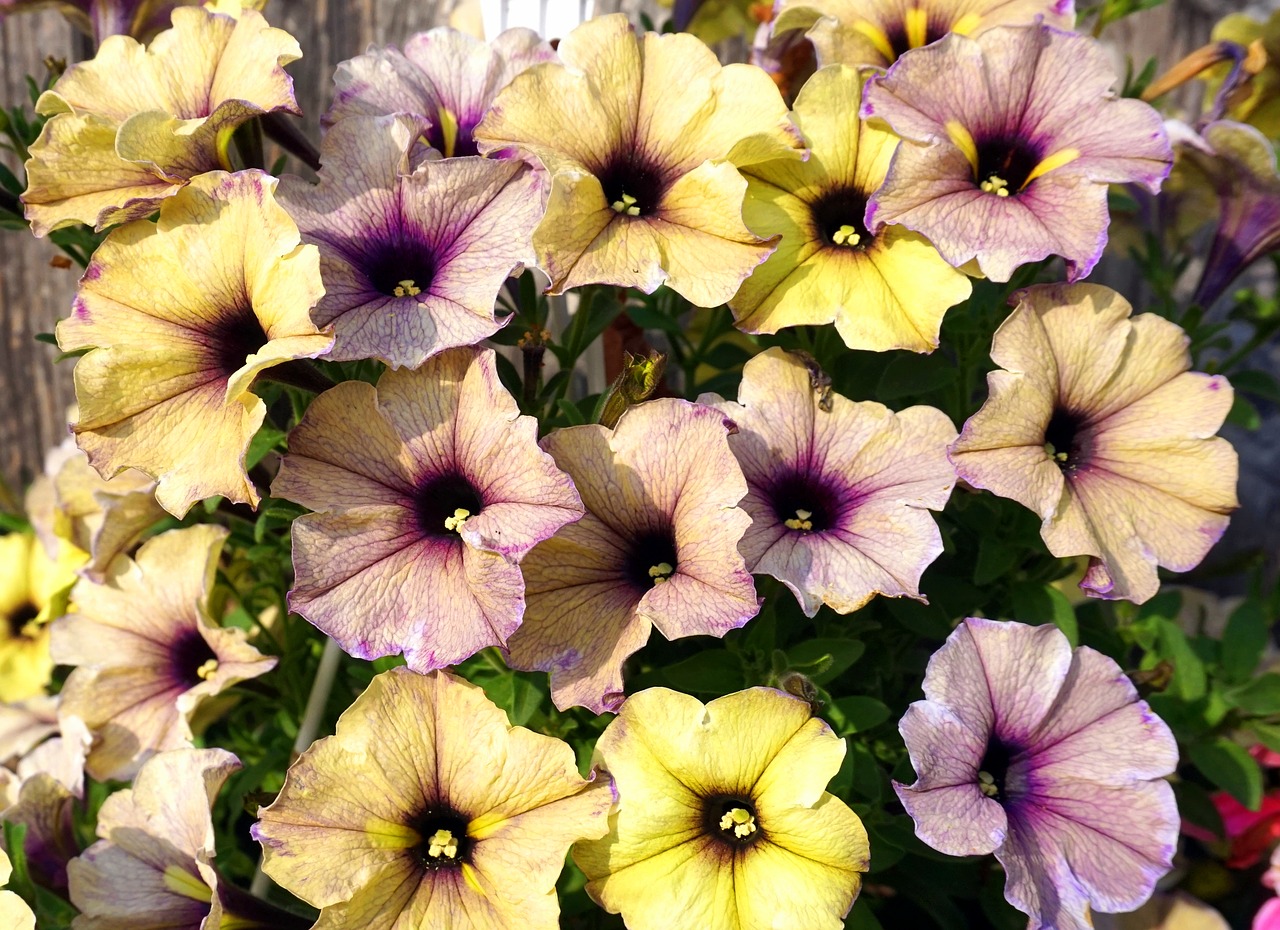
x=146, y=652
x=124, y=133
x=887, y=291
x=152, y=867
x=1257, y=100
x=1237, y=163
x=658, y=546
x=412, y=258
x=878, y=32
x=839, y=492
x=33, y=591
x=1098, y=426
x=429, y=490
x=182, y=315
x=444, y=76
x=14, y=912
x=723, y=819
x=1045, y=756
x=72, y=503
x=643, y=137
x=427, y=809
x=1007, y=161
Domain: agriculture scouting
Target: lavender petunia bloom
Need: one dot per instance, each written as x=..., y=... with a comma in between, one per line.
x=1045, y=756
x=444, y=76
x=1011, y=140
x=839, y=492
x=1237, y=163
x=412, y=259
x=428, y=490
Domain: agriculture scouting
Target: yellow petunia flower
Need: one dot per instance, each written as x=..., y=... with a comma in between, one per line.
x=181, y=316
x=124, y=133
x=643, y=137
x=723, y=821
x=14, y=912
x=883, y=291
x=33, y=591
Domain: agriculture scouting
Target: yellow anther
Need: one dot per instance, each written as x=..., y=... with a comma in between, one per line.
x=661, y=572
x=207, y=670
x=442, y=844
x=1053, y=453
x=995, y=185
x=626, y=205
x=846, y=235
x=407, y=288
x=740, y=821
x=800, y=521
x=633, y=211
x=987, y=784
x=460, y=516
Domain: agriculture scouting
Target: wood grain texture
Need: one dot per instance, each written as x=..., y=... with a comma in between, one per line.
x=34, y=295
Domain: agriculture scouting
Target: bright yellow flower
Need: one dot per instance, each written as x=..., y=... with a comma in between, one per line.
x=643, y=137
x=887, y=291
x=723, y=821
x=125, y=132
x=182, y=315
x=33, y=591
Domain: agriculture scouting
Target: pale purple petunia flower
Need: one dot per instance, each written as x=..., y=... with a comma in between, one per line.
x=1011, y=139
x=1045, y=756
x=412, y=258
x=428, y=490
x=444, y=76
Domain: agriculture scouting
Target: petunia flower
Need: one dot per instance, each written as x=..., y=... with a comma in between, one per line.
x=1237, y=163
x=33, y=592
x=72, y=503
x=1096, y=424
x=1045, y=756
x=412, y=259
x=145, y=652
x=887, y=291
x=1256, y=100
x=643, y=137
x=427, y=809
x=25, y=724
x=182, y=315
x=723, y=820
x=124, y=133
x=14, y=912
x=877, y=33
x=152, y=867
x=839, y=492
x=102, y=18
x=428, y=492
x=658, y=547
x=1007, y=160
x=443, y=76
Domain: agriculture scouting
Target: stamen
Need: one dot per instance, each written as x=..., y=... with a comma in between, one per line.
x=995, y=185
x=846, y=235
x=661, y=572
x=801, y=521
x=442, y=844
x=407, y=288
x=626, y=205
x=987, y=784
x=740, y=821
x=207, y=669
x=1053, y=453
x=460, y=516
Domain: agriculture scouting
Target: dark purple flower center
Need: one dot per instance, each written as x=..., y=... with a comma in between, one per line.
x=401, y=267
x=651, y=558
x=1004, y=164
x=1064, y=440
x=444, y=844
x=463, y=143
x=20, y=617
x=444, y=503
x=993, y=770
x=838, y=218
x=803, y=502
x=233, y=338
x=190, y=658
x=900, y=38
x=632, y=186
x=731, y=820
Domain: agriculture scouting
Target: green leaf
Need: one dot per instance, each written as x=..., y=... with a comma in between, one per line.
x=648, y=318
x=856, y=714
x=715, y=671
x=1260, y=697
x=862, y=917
x=910, y=375
x=1243, y=413
x=841, y=654
x=519, y=697
x=1268, y=734
x=1257, y=383
x=1038, y=604
x=1231, y=768
x=569, y=410
x=995, y=558
x=1189, y=681
x=1197, y=807
x=1243, y=641
x=266, y=439
x=726, y=355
